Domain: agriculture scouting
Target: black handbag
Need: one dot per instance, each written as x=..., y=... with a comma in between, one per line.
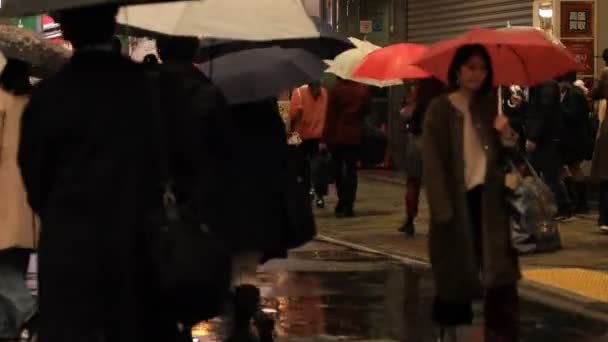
x=191, y=266
x=373, y=145
x=301, y=227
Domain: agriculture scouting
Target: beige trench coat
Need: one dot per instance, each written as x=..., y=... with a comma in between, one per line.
x=18, y=227
x=451, y=240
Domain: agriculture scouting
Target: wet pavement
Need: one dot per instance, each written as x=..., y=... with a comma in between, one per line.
x=323, y=292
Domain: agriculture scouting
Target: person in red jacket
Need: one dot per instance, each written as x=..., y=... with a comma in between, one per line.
x=349, y=103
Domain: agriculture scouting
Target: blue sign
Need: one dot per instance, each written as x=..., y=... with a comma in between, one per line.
x=377, y=25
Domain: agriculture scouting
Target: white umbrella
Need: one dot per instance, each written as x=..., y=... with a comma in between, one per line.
x=255, y=20
x=345, y=64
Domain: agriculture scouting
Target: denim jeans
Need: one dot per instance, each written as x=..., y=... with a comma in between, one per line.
x=17, y=304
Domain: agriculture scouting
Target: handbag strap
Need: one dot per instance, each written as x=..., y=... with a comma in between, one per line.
x=528, y=166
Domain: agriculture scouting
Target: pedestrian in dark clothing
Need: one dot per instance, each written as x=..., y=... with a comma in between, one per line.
x=465, y=140
x=199, y=124
x=88, y=158
x=543, y=130
x=515, y=108
x=576, y=140
x=599, y=167
x=425, y=91
x=198, y=129
x=253, y=206
x=349, y=103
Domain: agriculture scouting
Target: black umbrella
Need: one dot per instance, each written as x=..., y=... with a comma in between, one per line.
x=45, y=56
x=18, y=8
x=256, y=74
x=327, y=46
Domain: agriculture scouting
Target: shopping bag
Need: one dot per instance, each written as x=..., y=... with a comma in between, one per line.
x=533, y=209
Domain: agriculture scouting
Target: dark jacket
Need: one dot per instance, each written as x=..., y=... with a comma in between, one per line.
x=88, y=159
x=543, y=122
x=200, y=133
x=517, y=119
x=576, y=138
x=255, y=183
x=599, y=165
x=451, y=242
x=349, y=103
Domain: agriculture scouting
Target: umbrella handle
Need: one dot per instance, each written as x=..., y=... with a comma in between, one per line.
x=500, y=99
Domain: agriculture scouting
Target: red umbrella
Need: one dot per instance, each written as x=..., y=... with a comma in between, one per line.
x=393, y=62
x=523, y=57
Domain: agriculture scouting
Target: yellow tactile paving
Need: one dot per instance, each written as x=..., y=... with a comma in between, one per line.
x=587, y=283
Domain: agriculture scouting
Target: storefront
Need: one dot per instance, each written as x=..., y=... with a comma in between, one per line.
x=431, y=21
x=579, y=26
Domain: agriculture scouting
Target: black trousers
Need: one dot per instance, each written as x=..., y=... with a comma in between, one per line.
x=345, y=159
x=307, y=153
x=603, y=203
x=547, y=162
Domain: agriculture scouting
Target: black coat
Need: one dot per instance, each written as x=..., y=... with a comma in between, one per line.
x=200, y=133
x=576, y=138
x=88, y=161
x=543, y=121
x=254, y=187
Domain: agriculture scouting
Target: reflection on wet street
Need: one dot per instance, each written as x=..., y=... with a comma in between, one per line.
x=329, y=293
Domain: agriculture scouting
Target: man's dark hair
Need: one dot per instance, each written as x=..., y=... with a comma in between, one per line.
x=116, y=45
x=88, y=26
x=568, y=78
x=462, y=56
x=15, y=77
x=180, y=49
x=605, y=55
x=150, y=59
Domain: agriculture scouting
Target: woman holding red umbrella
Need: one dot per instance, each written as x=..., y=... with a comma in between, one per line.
x=464, y=140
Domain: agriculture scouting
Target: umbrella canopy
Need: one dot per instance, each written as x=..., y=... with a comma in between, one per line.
x=524, y=57
x=18, y=8
x=344, y=64
x=230, y=19
x=45, y=56
x=256, y=74
x=394, y=62
x=327, y=45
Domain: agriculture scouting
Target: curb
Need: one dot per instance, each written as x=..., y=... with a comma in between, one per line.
x=529, y=290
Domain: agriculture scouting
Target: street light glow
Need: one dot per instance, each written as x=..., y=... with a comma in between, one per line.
x=545, y=13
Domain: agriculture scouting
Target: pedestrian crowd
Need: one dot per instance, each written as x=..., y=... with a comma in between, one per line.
x=559, y=129
x=151, y=199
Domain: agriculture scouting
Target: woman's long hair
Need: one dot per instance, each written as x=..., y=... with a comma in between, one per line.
x=462, y=56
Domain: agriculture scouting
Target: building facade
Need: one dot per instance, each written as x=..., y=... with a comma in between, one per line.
x=579, y=26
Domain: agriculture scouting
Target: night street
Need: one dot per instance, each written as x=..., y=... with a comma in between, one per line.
x=328, y=293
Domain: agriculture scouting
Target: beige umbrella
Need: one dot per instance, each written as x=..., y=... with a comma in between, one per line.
x=345, y=64
x=255, y=20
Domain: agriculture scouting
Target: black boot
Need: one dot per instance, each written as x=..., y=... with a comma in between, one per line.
x=409, y=229
x=339, y=210
x=265, y=326
x=571, y=189
x=582, y=205
x=246, y=305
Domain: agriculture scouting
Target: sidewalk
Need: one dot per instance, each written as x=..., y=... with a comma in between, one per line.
x=577, y=273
